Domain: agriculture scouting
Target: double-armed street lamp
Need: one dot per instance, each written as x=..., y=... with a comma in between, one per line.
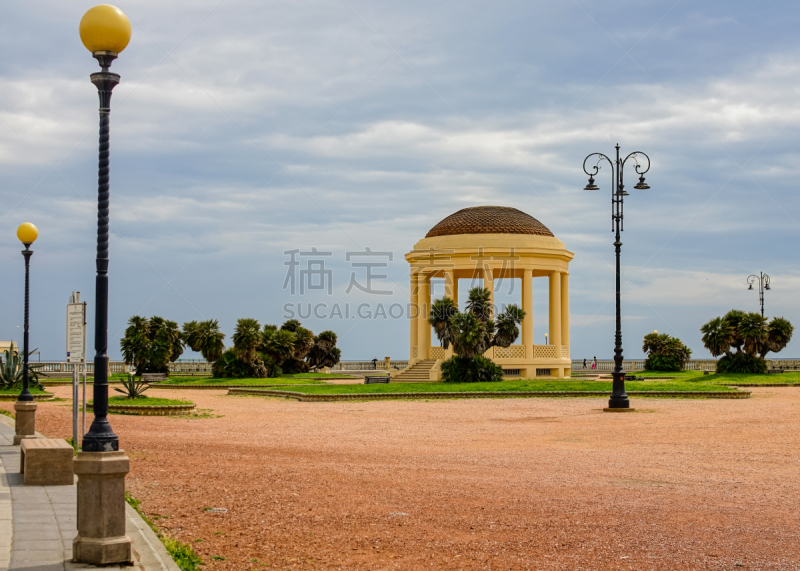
x=763, y=284
x=619, y=399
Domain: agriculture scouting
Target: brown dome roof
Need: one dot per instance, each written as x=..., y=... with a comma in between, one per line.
x=489, y=220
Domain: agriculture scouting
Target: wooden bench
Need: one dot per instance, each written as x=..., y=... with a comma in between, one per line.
x=46, y=462
x=154, y=377
x=371, y=380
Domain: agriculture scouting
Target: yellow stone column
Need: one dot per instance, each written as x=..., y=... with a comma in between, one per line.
x=555, y=313
x=424, y=327
x=527, y=306
x=413, y=315
x=488, y=283
x=451, y=291
x=565, y=309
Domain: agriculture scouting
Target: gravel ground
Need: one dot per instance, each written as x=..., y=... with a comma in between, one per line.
x=470, y=484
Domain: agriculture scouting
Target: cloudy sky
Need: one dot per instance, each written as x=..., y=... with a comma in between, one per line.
x=245, y=129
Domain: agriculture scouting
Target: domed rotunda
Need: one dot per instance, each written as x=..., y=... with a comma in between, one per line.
x=492, y=243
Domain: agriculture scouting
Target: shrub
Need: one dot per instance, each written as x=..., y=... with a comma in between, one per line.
x=663, y=363
x=470, y=370
x=742, y=363
x=665, y=353
x=232, y=366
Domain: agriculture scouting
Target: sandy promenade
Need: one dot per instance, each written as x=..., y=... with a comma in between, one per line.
x=471, y=484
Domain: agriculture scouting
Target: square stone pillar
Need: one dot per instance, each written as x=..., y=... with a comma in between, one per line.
x=101, y=538
x=527, y=306
x=25, y=421
x=413, y=315
x=424, y=327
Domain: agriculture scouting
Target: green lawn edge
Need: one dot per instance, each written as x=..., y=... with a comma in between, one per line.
x=507, y=386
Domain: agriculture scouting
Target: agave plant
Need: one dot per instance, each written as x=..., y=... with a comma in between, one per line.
x=132, y=388
x=12, y=370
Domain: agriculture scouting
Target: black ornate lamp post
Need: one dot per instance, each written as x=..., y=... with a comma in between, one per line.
x=27, y=234
x=763, y=284
x=105, y=31
x=101, y=466
x=619, y=399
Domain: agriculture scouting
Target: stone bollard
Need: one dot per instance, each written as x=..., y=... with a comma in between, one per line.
x=101, y=538
x=25, y=425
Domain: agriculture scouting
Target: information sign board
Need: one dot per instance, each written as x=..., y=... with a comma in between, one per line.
x=76, y=340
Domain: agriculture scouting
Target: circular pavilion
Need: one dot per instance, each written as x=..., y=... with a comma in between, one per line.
x=492, y=243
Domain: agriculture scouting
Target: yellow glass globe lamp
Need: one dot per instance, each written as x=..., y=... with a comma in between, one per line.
x=27, y=233
x=105, y=28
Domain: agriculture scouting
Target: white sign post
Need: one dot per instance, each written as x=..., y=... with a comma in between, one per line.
x=76, y=355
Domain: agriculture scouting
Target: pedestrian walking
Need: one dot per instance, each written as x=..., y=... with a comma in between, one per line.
x=594, y=363
x=584, y=363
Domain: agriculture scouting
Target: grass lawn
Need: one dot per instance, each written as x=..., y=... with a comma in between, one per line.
x=508, y=386
x=678, y=374
x=733, y=378
x=317, y=375
x=19, y=390
x=146, y=401
x=226, y=381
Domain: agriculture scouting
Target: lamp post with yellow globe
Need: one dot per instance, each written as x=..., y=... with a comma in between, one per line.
x=101, y=466
x=105, y=31
x=27, y=234
x=25, y=418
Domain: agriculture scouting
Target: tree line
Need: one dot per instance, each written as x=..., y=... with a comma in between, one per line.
x=150, y=344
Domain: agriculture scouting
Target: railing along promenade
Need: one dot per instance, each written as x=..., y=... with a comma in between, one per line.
x=203, y=368
x=692, y=365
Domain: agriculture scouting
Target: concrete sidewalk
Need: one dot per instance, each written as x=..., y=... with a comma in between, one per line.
x=38, y=523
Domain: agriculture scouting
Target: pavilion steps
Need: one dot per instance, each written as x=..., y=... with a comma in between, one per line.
x=418, y=373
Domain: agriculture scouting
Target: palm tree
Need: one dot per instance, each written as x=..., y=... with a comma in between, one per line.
x=507, y=322
x=441, y=312
x=136, y=343
x=279, y=345
x=303, y=343
x=479, y=303
x=469, y=335
x=210, y=340
x=190, y=335
x=780, y=333
x=291, y=325
x=246, y=339
x=324, y=353
x=718, y=336
x=753, y=329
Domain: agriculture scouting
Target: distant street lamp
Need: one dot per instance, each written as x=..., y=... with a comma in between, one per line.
x=763, y=284
x=27, y=234
x=619, y=399
x=25, y=408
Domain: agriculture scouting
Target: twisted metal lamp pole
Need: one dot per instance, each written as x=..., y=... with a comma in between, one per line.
x=619, y=399
x=763, y=284
x=101, y=437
